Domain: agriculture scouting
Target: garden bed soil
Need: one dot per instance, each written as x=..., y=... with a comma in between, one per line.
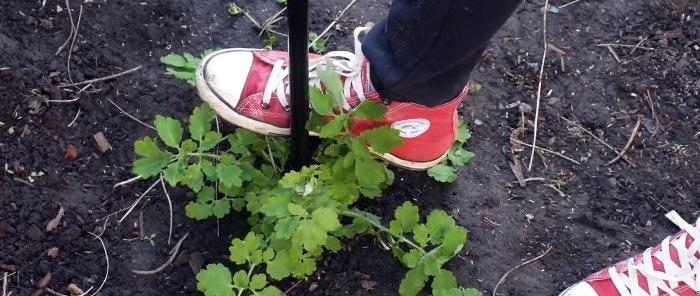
x=591, y=214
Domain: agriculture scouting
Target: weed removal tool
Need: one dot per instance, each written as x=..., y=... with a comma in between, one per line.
x=298, y=16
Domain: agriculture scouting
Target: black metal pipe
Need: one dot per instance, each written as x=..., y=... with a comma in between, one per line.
x=298, y=19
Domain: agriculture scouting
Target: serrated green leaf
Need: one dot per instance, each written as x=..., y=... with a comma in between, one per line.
x=229, y=175
x=280, y=267
x=443, y=173
x=406, y=218
x=382, y=139
x=169, y=130
x=208, y=169
x=258, y=281
x=333, y=84
x=270, y=291
x=211, y=139
x=241, y=250
x=186, y=75
x=221, y=208
x=193, y=178
x=369, y=172
x=147, y=147
x=198, y=211
x=276, y=206
x=321, y=103
x=413, y=282
x=240, y=279
x=333, y=128
x=296, y=209
x=192, y=61
x=458, y=156
x=200, y=121
x=206, y=194
x=437, y=223
x=333, y=244
x=215, y=280
x=151, y=166
x=315, y=122
x=420, y=235
x=326, y=218
x=172, y=174
x=462, y=133
x=444, y=280
x=412, y=258
x=370, y=110
x=174, y=60
x=448, y=292
x=237, y=204
x=188, y=146
x=453, y=240
x=359, y=149
x=309, y=235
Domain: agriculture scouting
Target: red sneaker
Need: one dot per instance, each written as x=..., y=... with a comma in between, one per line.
x=249, y=88
x=669, y=269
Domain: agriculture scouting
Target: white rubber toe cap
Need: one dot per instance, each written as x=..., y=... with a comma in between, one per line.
x=580, y=289
x=221, y=77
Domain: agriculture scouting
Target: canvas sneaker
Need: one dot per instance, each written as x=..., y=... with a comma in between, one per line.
x=669, y=269
x=250, y=89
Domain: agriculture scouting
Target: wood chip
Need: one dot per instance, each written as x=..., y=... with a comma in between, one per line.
x=37, y=293
x=44, y=281
x=52, y=253
x=101, y=143
x=8, y=268
x=368, y=285
x=196, y=262
x=55, y=221
x=74, y=290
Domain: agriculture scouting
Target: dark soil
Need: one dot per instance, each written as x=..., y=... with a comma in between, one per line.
x=606, y=212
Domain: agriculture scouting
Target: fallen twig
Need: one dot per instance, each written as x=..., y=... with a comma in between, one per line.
x=539, y=84
x=100, y=79
x=127, y=182
x=547, y=150
x=132, y=117
x=629, y=142
x=72, y=29
x=570, y=3
x=332, y=23
x=106, y=269
x=131, y=208
x=74, y=119
x=23, y=182
x=170, y=207
x=625, y=158
x=72, y=44
x=4, y=284
x=625, y=45
x=614, y=54
x=503, y=278
x=173, y=254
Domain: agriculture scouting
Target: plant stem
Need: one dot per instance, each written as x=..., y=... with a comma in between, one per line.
x=204, y=155
x=384, y=229
x=272, y=158
x=250, y=273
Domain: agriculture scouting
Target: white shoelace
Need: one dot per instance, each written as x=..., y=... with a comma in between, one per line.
x=347, y=64
x=686, y=271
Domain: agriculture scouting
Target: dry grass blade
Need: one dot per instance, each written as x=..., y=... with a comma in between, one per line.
x=173, y=254
x=101, y=78
x=131, y=208
x=503, y=278
x=332, y=23
x=539, y=84
x=624, y=157
x=4, y=284
x=170, y=207
x=629, y=142
x=130, y=116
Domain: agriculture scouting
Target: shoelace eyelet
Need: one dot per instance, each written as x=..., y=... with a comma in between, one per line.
x=286, y=108
x=265, y=105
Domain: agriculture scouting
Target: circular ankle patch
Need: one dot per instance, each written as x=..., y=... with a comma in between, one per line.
x=411, y=128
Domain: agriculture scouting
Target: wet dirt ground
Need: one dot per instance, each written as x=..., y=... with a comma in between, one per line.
x=590, y=213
